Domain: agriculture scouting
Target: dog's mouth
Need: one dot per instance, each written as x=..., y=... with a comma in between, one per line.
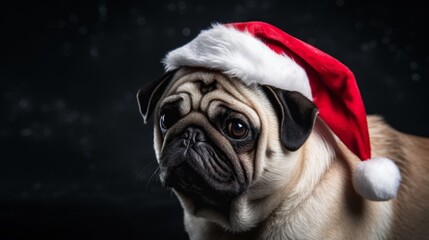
x=199, y=189
x=202, y=173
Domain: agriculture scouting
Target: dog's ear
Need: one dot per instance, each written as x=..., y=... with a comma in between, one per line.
x=296, y=113
x=149, y=95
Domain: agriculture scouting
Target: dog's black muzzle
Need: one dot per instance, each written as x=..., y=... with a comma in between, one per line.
x=192, y=164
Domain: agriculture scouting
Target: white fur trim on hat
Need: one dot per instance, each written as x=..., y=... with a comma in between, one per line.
x=377, y=179
x=239, y=54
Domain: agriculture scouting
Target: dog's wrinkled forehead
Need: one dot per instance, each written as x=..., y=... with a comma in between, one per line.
x=208, y=93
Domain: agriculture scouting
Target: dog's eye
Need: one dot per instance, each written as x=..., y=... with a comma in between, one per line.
x=236, y=128
x=168, y=119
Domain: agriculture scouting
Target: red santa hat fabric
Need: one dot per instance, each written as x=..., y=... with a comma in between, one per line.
x=257, y=52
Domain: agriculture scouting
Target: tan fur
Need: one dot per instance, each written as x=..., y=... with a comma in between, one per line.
x=306, y=194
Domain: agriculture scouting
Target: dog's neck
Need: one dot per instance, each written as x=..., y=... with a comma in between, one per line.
x=287, y=181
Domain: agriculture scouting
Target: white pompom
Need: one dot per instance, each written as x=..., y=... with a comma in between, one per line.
x=377, y=179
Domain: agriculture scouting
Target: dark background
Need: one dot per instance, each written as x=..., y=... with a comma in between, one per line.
x=76, y=160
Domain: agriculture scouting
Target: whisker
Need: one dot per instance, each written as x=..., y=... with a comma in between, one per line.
x=141, y=174
x=155, y=173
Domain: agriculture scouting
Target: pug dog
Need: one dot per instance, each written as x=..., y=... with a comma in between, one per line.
x=256, y=161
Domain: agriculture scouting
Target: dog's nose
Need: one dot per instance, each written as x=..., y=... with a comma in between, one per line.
x=193, y=135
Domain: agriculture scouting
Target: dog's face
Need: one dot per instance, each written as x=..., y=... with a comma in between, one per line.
x=217, y=138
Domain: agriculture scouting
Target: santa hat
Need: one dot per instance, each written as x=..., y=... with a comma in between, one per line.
x=257, y=52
